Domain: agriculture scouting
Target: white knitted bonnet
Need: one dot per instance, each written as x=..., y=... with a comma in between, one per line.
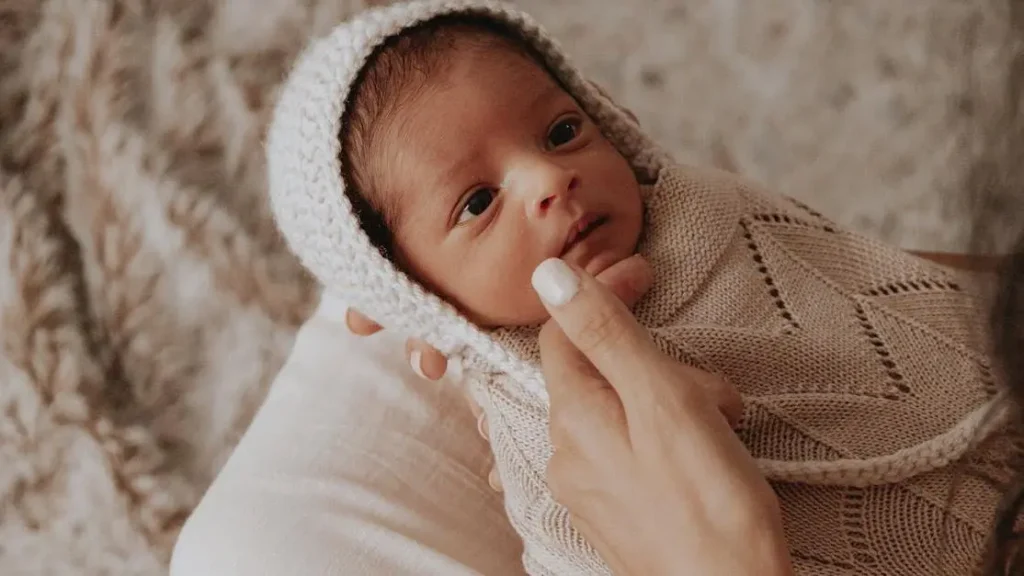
x=307, y=188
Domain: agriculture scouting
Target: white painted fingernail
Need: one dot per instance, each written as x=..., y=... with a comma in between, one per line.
x=416, y=360
x=555, y=282
x=495, y=481
x=481, y=426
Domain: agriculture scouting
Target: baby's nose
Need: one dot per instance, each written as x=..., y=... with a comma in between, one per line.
x=550, y=186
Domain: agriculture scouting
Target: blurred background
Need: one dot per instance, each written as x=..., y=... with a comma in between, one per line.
x=862, y=109
x=146, y=302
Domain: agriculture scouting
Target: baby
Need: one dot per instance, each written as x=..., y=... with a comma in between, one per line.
x=425, y=157
x=470, y=164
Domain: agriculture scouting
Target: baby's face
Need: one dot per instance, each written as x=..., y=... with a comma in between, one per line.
x=493, y=169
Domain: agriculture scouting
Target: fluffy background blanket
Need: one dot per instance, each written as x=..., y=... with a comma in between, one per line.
x=146, y=301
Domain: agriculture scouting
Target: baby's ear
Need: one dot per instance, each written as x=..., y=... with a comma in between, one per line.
x=605, y=93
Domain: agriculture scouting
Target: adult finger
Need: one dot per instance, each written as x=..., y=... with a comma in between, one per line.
x=474, y=407
x=587, y=418
x=568, y=375
x=725, y=396
x=597, y=323
x=359, y=324
x=566, y=370
x=494, y=480
x=563, y=356
x=628, y=279
x=425, y=360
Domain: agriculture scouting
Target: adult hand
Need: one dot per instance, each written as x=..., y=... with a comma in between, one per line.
x=628, y=279
x=644, y=457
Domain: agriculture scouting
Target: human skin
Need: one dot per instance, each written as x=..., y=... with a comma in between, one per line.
x=492, y=168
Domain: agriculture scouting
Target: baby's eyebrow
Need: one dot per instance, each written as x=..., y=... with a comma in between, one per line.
x=549, y=91
x=446, y=178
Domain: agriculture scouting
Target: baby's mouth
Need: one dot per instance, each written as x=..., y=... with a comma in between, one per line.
x=581, y=229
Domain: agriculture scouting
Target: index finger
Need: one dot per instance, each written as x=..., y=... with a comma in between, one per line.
x=567, y=373
x=586, y=414
x=596, y=322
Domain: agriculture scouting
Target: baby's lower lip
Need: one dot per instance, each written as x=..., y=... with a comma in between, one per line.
x=581, y=240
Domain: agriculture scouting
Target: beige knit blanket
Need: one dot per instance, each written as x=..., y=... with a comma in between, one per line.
x=864, y=371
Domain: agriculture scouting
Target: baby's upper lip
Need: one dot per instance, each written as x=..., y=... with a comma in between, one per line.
x=580, y=228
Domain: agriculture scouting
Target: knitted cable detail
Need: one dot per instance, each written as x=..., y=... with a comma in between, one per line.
x=909, y=462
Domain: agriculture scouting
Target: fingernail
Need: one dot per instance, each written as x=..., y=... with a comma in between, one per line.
x=494, y=481
x=555, y=282
x=416, y=361
x=481, y=426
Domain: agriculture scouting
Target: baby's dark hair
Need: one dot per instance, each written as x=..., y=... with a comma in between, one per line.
x=391, y=78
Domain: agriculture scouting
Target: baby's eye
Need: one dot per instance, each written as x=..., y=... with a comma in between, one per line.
x=477, y=204
x=563, y=132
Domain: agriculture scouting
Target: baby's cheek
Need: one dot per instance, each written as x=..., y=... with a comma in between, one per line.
x=502, y=294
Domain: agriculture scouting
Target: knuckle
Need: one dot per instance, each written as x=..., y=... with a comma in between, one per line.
x=560, y=478
x=593, y=407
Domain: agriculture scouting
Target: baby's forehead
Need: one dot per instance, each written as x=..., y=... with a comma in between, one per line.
x=479, y=95
x=430, y=135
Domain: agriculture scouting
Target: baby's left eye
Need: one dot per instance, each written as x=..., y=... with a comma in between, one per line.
x=563, y=132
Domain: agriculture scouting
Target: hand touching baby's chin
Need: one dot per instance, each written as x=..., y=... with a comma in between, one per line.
x=629, y=278
x=600, y=262
x=531, y=312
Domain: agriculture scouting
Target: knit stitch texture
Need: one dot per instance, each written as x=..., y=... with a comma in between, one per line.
x=864, y=375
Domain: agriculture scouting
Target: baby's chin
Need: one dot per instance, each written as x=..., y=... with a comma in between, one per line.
x=605, y=246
